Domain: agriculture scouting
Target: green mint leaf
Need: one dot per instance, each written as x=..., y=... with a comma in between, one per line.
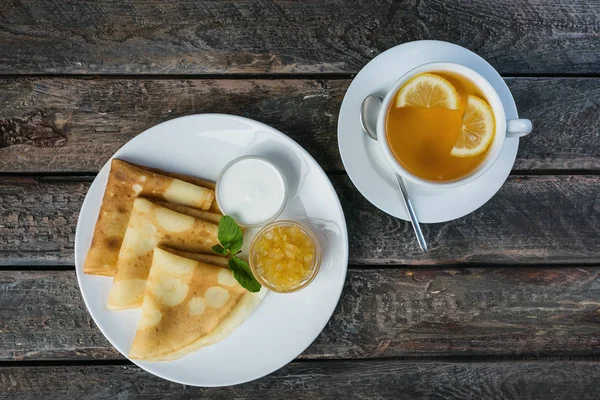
x=243, y=274
x=236, y=247
x=230, y=234
x=217, y=248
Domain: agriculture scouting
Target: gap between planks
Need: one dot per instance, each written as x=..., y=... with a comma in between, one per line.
x=89, y=176
x=268, y=76
x=469, y=359
x=354, y=267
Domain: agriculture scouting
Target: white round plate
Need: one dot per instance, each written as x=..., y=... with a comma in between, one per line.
x=283, y=325
x=365, y=164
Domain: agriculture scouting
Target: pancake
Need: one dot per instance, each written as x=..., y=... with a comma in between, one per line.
x=209, y=216
x=212, y=259
x=125, y=183
x=151, y=225
x=187, y=178
x=188, y=305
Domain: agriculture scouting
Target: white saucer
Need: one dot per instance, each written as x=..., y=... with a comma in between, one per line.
x=283, y=325
x=365, y=164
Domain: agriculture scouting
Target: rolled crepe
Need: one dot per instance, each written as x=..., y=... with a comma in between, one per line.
x=187, y=178
x=151, y=225
x=212, y=259
x=188, y=305
x=125, y=183
x=208, y=216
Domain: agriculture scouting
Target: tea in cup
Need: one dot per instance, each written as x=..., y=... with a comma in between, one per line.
x=443, y=124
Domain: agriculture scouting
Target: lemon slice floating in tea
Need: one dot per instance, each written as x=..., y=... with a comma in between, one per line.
x=428, y=91
x=477, y=130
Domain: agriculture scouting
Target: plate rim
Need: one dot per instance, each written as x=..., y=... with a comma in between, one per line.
x=290, y=142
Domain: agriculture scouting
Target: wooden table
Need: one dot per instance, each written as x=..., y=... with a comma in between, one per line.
x=505, y=305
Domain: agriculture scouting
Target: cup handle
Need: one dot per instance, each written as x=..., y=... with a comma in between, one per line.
x=518, y=127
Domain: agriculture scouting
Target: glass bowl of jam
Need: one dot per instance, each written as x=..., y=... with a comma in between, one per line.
x=285, y=256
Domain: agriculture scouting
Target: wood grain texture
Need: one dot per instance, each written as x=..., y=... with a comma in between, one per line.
x=68, y=125
x=76, y=125
x=566, y=122
x=312, y=380
x=540, y=312
x=532, y=219
x=258, y=36
x=28, y=237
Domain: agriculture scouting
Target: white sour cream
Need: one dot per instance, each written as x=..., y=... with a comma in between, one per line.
x=251, y=190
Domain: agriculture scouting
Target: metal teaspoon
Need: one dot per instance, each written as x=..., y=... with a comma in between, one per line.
x=368, y=120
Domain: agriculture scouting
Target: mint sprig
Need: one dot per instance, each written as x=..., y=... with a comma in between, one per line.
x=231, y=240
x=243, y=274
x=217, y=248
x=230, y=234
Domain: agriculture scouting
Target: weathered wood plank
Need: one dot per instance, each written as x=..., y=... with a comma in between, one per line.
x=314, y=380
x=258, y=36
x=533, y=219
x=382, y=313
x=52, y=320
x=564, y=136
x=76, y=125
x=66, y=125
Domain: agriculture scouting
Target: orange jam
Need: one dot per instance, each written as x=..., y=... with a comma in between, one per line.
x=284, y=256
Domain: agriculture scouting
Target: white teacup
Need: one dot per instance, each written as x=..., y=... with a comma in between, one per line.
x=504, y=127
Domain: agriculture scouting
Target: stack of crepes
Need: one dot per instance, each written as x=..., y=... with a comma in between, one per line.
x=154, y=235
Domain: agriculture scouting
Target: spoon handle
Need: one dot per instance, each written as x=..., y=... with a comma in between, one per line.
x=412, y=214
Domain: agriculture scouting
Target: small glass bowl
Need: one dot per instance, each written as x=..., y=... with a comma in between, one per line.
x=285, y=190
x=315, y=266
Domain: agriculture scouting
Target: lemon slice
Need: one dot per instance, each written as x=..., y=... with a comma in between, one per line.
x=428, y=91
x=477, y=130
